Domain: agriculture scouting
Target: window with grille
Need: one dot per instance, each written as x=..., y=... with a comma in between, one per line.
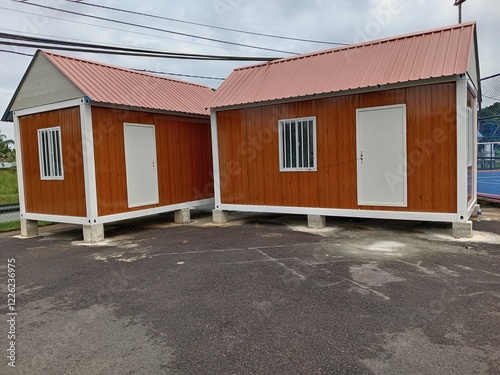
x=297, y=141
x=50, y=152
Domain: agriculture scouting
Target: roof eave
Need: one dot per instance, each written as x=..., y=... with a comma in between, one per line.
x=318, y=95
x=476, y=50
x=149, y=109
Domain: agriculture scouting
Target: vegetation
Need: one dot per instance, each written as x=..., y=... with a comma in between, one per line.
x=8, y=186
x=492, y=110
x=16, y=225
x=7, y=152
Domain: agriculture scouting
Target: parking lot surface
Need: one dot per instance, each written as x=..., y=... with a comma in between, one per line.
x=262, y=294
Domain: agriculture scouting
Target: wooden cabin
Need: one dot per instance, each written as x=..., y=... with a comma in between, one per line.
x=383, y=129
x=98, y=143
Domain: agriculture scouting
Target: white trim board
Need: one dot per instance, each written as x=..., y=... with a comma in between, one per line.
x=19, y=167
x=154, y=211
x=49, y=107
x=56, y=218
x=371, y=214
x=461, y=155
x=117, y=217
x=88, y=161
x=215, y=157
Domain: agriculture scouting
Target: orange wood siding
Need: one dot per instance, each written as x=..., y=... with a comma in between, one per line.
x=55, y=197
x=184, y=156
x=249, y=151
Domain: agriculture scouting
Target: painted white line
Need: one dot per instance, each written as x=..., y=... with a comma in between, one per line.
x=299, y=275
x=258, y=261
x=376, y=292
x=329, y=284
x=490, y=273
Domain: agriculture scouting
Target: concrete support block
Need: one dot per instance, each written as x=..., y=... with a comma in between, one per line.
x=93, y=233
x=477, y=208
x=220, y=217
x=316, y=221
x=182, y=216
x=462, y=230
x=29, y=228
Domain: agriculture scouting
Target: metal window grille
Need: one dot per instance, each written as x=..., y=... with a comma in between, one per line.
x=297, y=139
x=50, y=152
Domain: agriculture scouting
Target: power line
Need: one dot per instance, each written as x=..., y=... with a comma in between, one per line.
x=179, y=74
x=110, y=28
x=203, y=24
x=16, y=53
x=155, y=28
x=45, y=43
x=490, y=97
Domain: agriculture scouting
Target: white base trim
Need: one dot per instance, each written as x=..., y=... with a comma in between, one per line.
x=153, y=211
x=117, y=217
x=373, y=214
x=471, y=209
x=56, y=218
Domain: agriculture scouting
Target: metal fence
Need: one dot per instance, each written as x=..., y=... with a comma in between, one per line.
x=9, y=212
x=9, y=202
x=488, y=146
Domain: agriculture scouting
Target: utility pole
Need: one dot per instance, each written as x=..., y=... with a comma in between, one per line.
x=459, y=4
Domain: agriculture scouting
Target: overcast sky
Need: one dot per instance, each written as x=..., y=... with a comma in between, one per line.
x=342, y=21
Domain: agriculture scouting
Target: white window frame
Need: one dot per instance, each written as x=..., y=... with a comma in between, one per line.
x=50, y=153
x=298, y=153
x=470, y=138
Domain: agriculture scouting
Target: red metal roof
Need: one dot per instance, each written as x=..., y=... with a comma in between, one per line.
x=104, y=83
x=412, y=57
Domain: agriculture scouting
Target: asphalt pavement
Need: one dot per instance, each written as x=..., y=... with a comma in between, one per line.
x=262, y=294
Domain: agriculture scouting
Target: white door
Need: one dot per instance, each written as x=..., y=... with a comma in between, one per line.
x=381, y=148
x=140, y=161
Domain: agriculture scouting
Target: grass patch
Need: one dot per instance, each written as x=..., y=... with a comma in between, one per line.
x=9, y=192
x=16, y=225
x=10, y=198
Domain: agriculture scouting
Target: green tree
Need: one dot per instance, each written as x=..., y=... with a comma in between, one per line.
x=7, y=152
x=492, y=110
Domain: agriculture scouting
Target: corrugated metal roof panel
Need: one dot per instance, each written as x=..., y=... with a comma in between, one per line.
x=411, y=57
x=110, y=84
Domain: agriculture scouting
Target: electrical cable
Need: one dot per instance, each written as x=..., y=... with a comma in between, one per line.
x=178, y=74
x=16, y=53
x=154, y=28
x=113, y=28
x=203, y=24
x=44, y=43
